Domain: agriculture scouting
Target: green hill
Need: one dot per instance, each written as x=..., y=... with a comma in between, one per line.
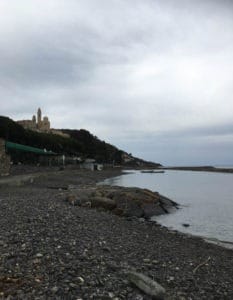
x=81, y=143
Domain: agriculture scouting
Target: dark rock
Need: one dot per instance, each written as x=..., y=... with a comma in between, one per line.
x=126, y=203
x=147, y=285
x=167, y=204
x=153, y=195
x=72, y=199
x=118, y=211
x=103, y=202
x=150, y=210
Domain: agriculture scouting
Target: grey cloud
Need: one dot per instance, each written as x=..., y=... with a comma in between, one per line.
x=196, y=146
x=69, y=54
x=215, y=130
x=152, y=77
x=182, y=151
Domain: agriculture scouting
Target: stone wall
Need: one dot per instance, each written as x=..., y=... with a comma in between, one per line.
x=4, y=160
x=28, y=124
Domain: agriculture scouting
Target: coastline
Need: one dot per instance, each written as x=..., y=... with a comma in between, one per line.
x=200, y=169
x=51, y=249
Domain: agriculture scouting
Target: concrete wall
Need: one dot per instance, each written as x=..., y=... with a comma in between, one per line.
x=4, y=160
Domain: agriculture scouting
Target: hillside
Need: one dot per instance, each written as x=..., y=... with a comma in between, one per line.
x=81, y=143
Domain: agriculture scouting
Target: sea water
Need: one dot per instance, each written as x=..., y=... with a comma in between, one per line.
x=205, y=198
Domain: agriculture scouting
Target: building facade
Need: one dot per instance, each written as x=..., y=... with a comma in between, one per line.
x=36, y=124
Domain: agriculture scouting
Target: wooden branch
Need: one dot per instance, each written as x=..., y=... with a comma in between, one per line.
x=201, y=264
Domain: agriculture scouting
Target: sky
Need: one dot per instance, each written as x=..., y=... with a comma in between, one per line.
x=154, y=78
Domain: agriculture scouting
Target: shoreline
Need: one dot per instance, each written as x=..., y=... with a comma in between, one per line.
x=222, y=243
x=200, y=169
x=51, y=249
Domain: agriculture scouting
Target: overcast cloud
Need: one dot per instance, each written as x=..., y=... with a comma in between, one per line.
x=154, y=78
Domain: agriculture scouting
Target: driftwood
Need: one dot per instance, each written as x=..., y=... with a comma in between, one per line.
x=200, y=265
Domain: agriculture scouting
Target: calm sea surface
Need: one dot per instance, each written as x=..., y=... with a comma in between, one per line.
x=206, y=200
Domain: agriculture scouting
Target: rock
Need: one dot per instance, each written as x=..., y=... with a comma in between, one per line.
x=39, y=255
x=147, y=285
x=155, y=262
x=146, y=260
x=136, y=296
x=103, y=202
x=185, y=225
x=36, y=261
x=171, y=278
x=167, y=204
x=111, y=295
x=80, y=280
x=71, y=199
x=98, y=193
x=54, y=289
x=141, y=220
x=107, y=249
x=123, y=201
x=86, y=204
x=153, y=209
x=118, y=211
x=128, y=204
x=153, y=195
x=133, y=210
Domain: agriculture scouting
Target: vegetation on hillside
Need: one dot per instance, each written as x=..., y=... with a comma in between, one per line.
x=81, y=142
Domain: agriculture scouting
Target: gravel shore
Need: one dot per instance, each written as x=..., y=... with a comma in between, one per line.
x=52, y=250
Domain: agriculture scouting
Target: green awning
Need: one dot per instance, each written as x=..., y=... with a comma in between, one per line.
x=15, y=146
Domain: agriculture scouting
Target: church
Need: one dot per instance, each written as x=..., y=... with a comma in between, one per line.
x=36, y=123
x=41, y=125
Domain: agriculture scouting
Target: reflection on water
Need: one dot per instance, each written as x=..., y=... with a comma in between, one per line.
x=206, y=199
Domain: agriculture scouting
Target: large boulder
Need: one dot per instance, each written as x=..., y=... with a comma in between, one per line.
x=132, y=209
x=167, y=204
x=150, y=196
x=103, y=202
x=152, y=209
x=122, y=201
x=147, y=285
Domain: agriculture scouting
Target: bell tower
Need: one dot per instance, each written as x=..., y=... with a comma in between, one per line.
x=39, y=117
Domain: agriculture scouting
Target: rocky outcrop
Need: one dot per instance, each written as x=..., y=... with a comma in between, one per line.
x=122, y=201
x=103, y=202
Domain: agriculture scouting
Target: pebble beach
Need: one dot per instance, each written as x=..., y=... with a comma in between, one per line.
x=52, y=250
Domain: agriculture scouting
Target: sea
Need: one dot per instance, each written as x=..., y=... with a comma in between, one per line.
x=205, y=199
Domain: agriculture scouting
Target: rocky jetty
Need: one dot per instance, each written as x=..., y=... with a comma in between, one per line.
x=122, y=201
